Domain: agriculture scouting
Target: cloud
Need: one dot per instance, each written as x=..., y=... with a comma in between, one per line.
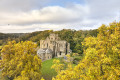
x=21, y=5
x=30, y=28
x=51, y=14
x=103, y=10
x=32, y=15
x=14, y=5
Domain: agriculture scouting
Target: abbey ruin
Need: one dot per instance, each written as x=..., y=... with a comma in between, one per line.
x=53, y=46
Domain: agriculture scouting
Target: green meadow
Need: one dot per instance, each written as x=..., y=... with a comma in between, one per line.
x=47, y=72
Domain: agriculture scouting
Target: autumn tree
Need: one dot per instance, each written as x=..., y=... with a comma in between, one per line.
x=102, y=57
x=20, y=62
x=57, y=65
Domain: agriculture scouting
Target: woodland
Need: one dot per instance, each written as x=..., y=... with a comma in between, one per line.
x=95, y=55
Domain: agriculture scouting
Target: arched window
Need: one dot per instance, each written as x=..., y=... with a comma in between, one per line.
x=47, y=45
x=60, y=52
x=51, y=38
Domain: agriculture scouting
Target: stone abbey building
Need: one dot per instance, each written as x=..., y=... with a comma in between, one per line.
x=53, y=46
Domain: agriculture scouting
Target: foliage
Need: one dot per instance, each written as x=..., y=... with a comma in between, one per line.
x=20, y=62
x=42, y=78
x=75, y=54
x=57, y=65
x=9, y=36
x=0, y=47
x=102, y=57
x=76, y=59
x=72, y=36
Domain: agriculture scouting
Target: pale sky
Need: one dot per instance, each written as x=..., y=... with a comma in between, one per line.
x=21, y=16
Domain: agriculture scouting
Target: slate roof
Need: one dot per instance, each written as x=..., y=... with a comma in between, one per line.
x=44, y=50
x=49, y=51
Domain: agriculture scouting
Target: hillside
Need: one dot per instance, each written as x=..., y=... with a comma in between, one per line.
x=72, y=36
x=9, y=36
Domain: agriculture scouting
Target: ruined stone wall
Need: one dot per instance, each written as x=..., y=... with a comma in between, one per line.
x=60, y=48
x=41, y=43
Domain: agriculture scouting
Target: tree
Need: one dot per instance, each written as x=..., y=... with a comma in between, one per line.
x=57, y=65
x=102, y=57
x=20, y=62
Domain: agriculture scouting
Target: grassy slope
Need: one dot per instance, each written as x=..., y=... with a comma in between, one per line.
x=47, y=72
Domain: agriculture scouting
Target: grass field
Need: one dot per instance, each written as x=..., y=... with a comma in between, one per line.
x=47, y=72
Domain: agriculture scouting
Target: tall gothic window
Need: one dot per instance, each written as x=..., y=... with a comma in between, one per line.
x=60, y=52
x=47, y=45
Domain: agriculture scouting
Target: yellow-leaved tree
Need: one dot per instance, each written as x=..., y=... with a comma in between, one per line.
x=20, y=62
x=57, y=65
x=102, y=57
